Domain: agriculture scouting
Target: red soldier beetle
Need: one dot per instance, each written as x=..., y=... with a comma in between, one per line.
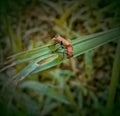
x=65, y=44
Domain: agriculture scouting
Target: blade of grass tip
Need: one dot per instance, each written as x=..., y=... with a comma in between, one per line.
x=8, y=66
x=8, y=61
x=15, y=62
x=41, y=53
x=114, y=82
x=33, y=65
x=30, y=54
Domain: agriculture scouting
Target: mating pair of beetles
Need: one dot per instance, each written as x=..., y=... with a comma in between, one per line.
x=64, y=44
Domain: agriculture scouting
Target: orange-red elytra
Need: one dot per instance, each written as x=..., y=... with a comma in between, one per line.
x=65, y=43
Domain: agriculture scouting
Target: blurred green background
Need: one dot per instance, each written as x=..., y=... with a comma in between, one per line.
x=77, y=87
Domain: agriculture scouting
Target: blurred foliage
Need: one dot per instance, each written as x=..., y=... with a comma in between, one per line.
x=77, y=87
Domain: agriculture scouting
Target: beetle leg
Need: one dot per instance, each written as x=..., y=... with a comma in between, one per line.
x=61, y=43
x=59, y=47
x=65, y=52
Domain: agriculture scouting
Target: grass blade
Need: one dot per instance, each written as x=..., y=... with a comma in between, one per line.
x=114, y=82
x=44, y=89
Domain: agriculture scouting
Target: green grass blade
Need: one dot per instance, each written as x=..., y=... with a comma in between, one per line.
x=30, y=54
x=94, y=41
x=45, y=89
x=114, y=82
x=33, y=65
x=89, y=64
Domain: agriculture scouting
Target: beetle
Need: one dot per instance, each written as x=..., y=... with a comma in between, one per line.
x=65, y=44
